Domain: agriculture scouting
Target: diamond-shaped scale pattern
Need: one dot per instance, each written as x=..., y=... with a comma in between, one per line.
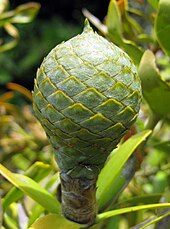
x=59, y=100
x=71, y=86
x=100, y=81
x=109, y=108
x=90, y=98
x=118, y=91
x=77, y=112
x=86, y=95
x=96, y=123
x=58, y=74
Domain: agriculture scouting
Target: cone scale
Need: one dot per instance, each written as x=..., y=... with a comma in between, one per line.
x=86, y=96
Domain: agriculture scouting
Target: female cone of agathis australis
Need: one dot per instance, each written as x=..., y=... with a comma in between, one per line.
x=86, y=96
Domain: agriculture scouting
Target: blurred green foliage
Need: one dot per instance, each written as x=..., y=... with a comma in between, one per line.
x=36, y=40
x=22, y=14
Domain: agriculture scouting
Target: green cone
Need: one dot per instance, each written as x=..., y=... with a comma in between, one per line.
x=87, y=94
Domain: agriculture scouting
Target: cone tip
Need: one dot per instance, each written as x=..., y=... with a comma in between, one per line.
x=87, y=27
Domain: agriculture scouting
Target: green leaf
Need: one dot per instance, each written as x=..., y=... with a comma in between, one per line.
x=162, y=25
x=122, y=180
x=25, y=13
x=37, y=172
x=35, y=214
x=155, y=90
x=154, y=3
x=10, y=218
x=114, y=23
x=112, y=213
x=156, y=219
x=133, y=50
x=115, y=33
x=32, y=189
x=142, y=199
x=110, y=172
x=163, y=146
x=9, y=45
x=4, y=4
x=52, y=221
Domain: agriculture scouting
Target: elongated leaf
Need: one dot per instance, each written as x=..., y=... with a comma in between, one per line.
x=155, y=90
x=162, y=25
x=32, y=189
x=110, y=171
x=121, y=181
x=144, y=199
x=35, y=214
x=9, y=45
x=156, y=219
x=109, y=214
x=114, y=23
x=37, y=171
x=10, y=217
x=4, y=4
x=25, y=13
x=52, y=221
x=115, y=33
x=133, y=50
x=11, y=30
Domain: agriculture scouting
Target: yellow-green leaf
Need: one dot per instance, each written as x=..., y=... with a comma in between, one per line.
x=25, y=13
x=121, y=211
x=53, y=221
x=162, y=25
x=108, y=175
x=155, y=90
x=32, y=189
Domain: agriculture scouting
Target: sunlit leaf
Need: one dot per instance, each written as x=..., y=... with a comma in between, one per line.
x=32, y=189
x=111, y=170
x=114, y=23
x=155, y=90
x=11, y=30
x=115, y=33
x=52, y=221
x=4, y=4
x=108, y=214
x=121, y=181
x=25, y=13
x=37, y=171
x=162, y=25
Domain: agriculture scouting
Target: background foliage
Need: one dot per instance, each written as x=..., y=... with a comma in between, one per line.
x=136, y=179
